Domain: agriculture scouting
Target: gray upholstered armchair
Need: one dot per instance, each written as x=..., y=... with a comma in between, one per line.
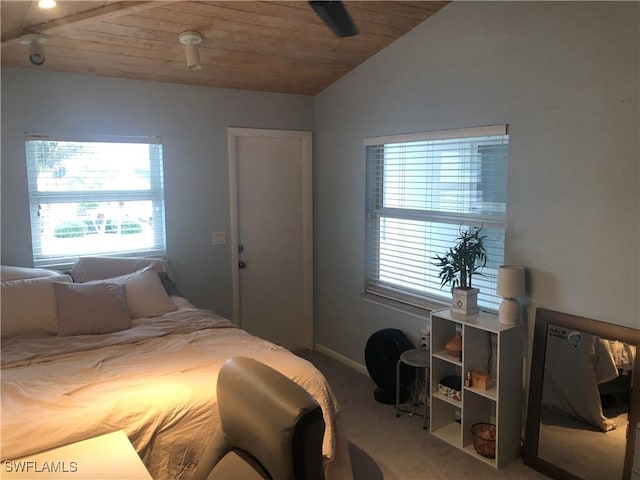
x=269, y=421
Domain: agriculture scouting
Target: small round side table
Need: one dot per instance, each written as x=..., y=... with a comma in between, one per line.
x=416, y=358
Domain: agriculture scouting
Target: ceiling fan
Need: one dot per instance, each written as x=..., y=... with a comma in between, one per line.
x=336, y=17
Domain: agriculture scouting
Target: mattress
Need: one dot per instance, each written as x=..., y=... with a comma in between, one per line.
x=156, y=381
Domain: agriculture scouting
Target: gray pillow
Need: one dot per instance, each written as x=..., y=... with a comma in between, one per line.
x=88, y=309
x=146, y=297
x=28, y=306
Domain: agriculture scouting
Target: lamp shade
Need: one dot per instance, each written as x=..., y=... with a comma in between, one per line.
x=510, y=281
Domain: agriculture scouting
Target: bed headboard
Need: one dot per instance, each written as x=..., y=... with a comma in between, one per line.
x=100, y=268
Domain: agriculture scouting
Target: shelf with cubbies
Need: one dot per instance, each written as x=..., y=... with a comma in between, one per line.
x=488, y=347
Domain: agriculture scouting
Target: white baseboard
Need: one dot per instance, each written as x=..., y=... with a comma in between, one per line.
x=342, y=359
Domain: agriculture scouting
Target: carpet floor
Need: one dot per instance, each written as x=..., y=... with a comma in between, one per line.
x=384, y=446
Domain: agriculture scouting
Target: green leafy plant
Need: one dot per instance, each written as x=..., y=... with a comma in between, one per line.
x=69, y=229
x=127, y=227
x=463, y=260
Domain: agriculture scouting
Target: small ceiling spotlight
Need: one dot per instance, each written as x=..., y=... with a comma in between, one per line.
x=191, y=40
x=34, y=41
x=47, y=4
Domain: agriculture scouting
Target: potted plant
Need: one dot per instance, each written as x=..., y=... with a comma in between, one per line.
x=459, y=265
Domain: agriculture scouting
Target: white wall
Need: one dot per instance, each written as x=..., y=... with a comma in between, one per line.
x=564, y=76
x=192, y=122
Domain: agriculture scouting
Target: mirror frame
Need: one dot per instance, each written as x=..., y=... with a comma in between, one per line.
x=544, y=318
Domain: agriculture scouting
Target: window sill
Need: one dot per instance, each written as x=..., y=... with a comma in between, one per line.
x=412, y=310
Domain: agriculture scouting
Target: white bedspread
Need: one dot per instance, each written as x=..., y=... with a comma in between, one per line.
x=575, y=364
x=156, y=381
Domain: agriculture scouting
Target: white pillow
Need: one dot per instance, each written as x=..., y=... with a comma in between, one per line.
x=146, y=297
x=182, y=303
x=8, y=273
x=102, y=268
x=91, y=308
x=28, y=307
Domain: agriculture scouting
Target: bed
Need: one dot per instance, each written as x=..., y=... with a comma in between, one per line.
x=579, y=369
x=85, y=367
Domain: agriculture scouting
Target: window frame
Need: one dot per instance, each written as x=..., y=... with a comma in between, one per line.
x=376, y=289
x=155, y=194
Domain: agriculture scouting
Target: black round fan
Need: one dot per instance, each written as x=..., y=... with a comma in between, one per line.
x=381, y=355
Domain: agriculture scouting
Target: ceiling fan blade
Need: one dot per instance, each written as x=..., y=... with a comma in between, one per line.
x=336, y=17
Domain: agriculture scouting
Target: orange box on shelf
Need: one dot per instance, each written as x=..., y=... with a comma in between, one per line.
x=481, y=380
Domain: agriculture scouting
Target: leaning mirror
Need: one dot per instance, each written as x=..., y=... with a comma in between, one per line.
x=584, y=398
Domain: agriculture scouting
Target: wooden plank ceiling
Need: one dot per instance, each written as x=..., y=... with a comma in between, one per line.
x=251, y=45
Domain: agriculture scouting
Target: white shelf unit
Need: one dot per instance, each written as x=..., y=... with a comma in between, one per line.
x=486, y=344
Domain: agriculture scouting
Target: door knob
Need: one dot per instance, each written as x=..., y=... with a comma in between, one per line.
x=242, y=264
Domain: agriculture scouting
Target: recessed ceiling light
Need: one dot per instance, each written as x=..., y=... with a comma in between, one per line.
x=47, y=3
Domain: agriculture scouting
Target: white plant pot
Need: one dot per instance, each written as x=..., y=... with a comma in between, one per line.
x=465, y=301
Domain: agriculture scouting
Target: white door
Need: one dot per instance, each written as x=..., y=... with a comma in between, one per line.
x=272, y=234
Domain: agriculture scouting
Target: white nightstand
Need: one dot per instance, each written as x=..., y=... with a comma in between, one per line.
x=109, y=456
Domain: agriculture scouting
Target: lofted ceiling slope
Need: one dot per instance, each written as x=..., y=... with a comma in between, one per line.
x=251, y=45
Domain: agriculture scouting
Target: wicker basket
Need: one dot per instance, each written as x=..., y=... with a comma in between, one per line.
x=484, y=439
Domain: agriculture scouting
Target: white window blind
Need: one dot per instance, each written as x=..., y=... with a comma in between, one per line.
x=92, y=196
x=422, y=189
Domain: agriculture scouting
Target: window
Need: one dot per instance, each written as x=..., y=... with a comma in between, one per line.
x=95, y=196
x=421, y=190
